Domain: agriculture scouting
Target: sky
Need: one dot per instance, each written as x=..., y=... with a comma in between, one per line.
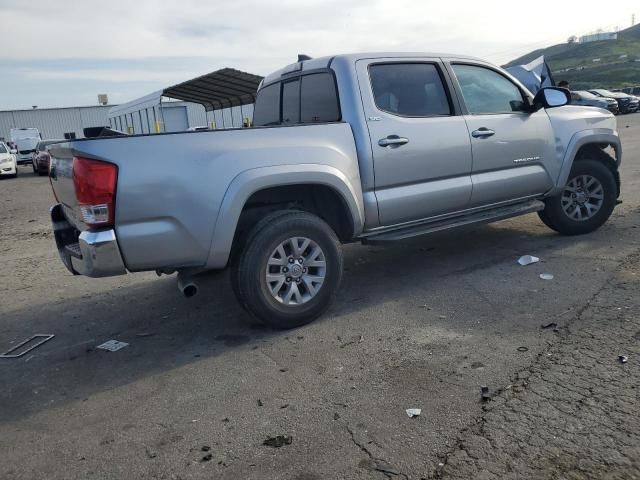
x=63, y=53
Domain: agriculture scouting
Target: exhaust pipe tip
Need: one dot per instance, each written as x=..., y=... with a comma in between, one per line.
x=187, y=286
x=190, y=290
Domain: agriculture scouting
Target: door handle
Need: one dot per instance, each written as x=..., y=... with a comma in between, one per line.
x=392, y=140
x=482, y=132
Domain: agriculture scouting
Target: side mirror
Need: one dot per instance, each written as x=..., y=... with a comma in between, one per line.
x=549, y=97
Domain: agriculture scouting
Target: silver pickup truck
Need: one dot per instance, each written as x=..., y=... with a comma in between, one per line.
x=370, y=147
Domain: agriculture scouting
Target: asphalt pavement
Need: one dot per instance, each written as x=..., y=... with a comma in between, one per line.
x=200, y=393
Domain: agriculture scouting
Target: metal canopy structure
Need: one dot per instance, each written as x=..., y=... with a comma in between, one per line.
x=223, y=88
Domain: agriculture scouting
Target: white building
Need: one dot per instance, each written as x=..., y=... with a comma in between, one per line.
x=598, y=36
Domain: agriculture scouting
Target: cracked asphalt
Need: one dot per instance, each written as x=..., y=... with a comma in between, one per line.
x=198, y=393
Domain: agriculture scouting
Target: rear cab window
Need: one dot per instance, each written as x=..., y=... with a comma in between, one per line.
x=307, y=98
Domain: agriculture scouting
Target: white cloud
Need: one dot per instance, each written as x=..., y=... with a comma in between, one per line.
x=65, y=50
x=260, y=35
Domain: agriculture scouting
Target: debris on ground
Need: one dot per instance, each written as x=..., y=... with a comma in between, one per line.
x=413, y=412
x=523, y=349
x=484, y=392
x=353, y=340
x=476, y=365
x=260, y=404
x=546, y=326
x=378, y=465
x=22, y=348
x=623, y=358
x=207, y=457
x=546, y=276
x=112, y=345
x=205, y=448
x=527, y=260
x=278, y=441
x=145, y=334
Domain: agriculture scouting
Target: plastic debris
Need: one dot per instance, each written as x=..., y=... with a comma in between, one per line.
x=413, y=412
x=278, y=441
x=112, y=345
x=523, y=349
x=28, y=345
x=484, y=392
x=546, y=276
x=623, y=358
x=553, y=325
x=527, y=260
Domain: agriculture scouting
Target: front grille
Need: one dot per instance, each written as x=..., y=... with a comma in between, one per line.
x=25, y=152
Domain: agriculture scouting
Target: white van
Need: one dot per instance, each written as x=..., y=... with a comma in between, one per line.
x=25, y=141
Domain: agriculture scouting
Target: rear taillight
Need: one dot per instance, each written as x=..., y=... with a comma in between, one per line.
x=95, y=184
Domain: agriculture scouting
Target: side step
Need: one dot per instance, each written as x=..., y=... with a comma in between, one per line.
x=478, y=218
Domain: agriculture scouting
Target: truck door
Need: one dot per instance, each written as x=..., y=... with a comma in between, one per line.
x=513, y=149
x=421, y=146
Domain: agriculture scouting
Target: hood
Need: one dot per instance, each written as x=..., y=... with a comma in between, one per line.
x=571, y=119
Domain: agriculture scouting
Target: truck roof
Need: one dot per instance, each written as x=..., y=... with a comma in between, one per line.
x=324, y=62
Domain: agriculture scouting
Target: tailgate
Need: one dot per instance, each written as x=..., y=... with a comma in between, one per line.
x=61, y=176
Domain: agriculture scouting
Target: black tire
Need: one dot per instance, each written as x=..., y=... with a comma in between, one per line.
x=248, y=273
x=33, y=165
x=241, y=243
x=554, y=215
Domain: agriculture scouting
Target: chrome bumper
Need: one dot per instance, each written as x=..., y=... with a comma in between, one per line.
x=93, y=254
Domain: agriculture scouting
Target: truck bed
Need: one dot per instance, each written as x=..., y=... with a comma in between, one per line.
x=170, y=187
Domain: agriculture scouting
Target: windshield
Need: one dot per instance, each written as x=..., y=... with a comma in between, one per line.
x=3, y=148
x=604, y=93
x=584, y=94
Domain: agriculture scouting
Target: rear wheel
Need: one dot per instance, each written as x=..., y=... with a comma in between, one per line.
x=289, y=270
x=585, y=203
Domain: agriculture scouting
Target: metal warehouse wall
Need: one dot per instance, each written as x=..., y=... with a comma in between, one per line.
x=54, y=122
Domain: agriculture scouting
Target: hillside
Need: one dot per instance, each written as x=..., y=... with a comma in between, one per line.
x=574, y=62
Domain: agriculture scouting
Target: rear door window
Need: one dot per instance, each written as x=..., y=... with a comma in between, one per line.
x=409, y=89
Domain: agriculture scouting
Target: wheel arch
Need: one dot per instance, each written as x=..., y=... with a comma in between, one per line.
x=308, y=188
x=591, y=144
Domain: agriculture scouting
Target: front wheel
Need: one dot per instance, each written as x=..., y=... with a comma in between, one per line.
x=289, y=270
x=587, y=201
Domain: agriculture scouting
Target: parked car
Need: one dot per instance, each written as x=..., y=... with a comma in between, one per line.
x=454, y=141
x=626, y=103
x=40, y=160
x=8, y=163
x=25, y=141
x=635, y=91
x=582, y=97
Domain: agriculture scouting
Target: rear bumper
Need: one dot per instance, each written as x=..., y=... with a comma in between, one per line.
x=93, y=254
